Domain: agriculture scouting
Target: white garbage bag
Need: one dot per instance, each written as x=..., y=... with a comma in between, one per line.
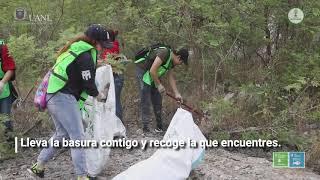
x=168, y=163
x=101, y=122
x=103, y=77
x=98, y=128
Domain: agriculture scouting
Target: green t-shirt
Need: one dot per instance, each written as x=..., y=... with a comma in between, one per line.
x=163, y=54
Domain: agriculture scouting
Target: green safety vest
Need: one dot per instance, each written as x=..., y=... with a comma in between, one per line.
x=162, y=70
x=59, y=77
x=6, y=89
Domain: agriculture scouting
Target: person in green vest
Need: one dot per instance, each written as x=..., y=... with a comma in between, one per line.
x=7, y=92
x=159, y=62
x=71, y=81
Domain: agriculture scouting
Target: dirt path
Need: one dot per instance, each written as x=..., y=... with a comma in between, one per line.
x=221, y=164
x=218, y=164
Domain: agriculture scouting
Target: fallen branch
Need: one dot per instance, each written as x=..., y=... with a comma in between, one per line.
x=32, y=127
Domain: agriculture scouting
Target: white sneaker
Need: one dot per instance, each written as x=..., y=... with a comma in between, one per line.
x=158, y=130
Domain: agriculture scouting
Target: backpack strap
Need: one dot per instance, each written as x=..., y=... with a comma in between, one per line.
x=168, y=57
x=143, y=53
x=59, y=76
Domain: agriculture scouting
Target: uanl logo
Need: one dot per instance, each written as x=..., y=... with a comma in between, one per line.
x=40, y=18
x=22, y=15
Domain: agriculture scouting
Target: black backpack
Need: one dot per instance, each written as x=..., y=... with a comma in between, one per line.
x=143, y=53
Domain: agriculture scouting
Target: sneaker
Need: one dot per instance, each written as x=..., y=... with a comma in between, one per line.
x=36, y=172
x=92, y=178
x=158, y=130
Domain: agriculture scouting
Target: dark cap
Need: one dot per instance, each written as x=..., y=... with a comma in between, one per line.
x=101, y=34
x=184, y=54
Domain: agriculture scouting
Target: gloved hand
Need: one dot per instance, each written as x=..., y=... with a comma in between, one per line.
x=101, y=97
x=1, y=86
x=161, y=89
x=179, y=97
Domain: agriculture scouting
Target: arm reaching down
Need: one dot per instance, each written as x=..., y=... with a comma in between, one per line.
x=173, y=85
x=154, y=70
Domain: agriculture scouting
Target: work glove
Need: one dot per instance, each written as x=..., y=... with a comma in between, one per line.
x=101, y=97
x=161, y=89
x=1, y=87
x=179, y=97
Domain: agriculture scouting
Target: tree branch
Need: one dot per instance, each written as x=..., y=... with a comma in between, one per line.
x=56, y=24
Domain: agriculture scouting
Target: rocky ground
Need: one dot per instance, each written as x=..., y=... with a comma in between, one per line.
x=218, y=164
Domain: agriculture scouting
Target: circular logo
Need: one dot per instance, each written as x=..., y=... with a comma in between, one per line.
x=295, y=15
x=20, y=14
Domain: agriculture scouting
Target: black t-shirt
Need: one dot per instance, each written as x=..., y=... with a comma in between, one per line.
x=81, y=76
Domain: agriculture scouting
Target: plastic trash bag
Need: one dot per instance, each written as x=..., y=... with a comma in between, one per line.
x=103, y=77
x=168, y=163
x=101, y=122
x=98, y=128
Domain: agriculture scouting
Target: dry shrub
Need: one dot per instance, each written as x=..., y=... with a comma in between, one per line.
x=313, y=156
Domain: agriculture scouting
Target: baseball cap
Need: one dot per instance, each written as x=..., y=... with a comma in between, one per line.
x=184, y=54
x=101, y=34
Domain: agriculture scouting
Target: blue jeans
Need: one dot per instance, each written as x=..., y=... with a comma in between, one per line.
x=118, y=84
x=148, y=95
x=5, y=108
x=66, y=116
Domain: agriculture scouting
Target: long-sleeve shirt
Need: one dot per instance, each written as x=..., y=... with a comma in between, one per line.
x=7, y=61
x=81, y=76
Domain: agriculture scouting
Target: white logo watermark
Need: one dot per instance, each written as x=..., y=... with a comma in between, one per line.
x=21, y=14
x=295, y=15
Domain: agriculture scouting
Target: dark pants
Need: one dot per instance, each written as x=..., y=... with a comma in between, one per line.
x=5, y=109
x=148, y=95
x=118, y=84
